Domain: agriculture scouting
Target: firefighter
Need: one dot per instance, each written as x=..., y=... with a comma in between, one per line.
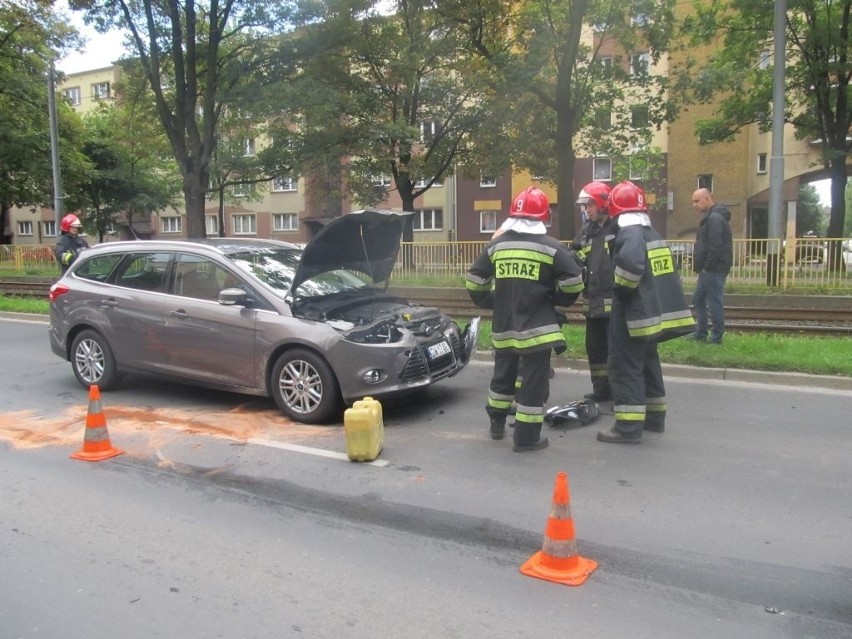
x=69, y=244
x=648, y=307
x=592, y=244
x=523, y=274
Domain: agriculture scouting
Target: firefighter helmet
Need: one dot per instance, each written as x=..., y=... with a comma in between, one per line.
x=531, y=203
x=68, y=221
x=596, y=192
x=626, y=197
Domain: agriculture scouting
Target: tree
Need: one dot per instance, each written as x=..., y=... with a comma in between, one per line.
x=810, y=217
x=398, y=96
x=550, y=68
x=130, y=179
x=30, y=37
x=817, y=75
x=198, y=59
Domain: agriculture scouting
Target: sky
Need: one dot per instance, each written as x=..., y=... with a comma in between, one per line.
x=99, y=51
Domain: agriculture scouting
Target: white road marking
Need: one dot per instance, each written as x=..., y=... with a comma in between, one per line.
x=309, y=450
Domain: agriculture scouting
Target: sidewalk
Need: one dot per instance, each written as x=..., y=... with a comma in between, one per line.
x=827, y=382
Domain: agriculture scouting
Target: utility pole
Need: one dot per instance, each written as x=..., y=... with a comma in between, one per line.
x=54, y=147
x=776, y=160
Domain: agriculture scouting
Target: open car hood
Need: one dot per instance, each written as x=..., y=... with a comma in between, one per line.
x=366, y=241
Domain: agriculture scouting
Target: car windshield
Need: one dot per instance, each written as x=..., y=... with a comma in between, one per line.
x=276, y=268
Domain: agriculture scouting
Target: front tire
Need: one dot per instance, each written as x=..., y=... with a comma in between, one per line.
x=92, y=361
x=305, y=388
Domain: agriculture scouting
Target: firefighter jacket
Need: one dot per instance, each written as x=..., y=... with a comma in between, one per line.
x=593, y=245
x=522, y=277
x=68, y=247
x=714, y=251
x=647, y=283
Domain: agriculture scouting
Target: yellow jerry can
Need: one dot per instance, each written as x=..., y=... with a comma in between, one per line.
x=365, y=430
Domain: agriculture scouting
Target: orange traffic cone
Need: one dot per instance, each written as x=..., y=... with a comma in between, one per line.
x=96, y=444
x=558, y=559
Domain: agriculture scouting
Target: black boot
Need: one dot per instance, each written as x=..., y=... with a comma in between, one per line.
x=528, y=438
x=655, y=423
x=601, y=392
x=618, y=436
x=498, y=425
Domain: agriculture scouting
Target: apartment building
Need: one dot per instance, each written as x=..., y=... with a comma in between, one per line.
x=470, y=209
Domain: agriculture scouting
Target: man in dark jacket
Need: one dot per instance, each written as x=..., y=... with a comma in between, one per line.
x=648, y=307
x=712, y=261
x=522, y=275
x=592, y=245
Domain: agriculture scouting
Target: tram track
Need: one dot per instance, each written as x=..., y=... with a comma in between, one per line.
x=782, y=313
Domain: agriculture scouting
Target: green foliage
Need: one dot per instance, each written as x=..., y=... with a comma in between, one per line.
x=738, y=69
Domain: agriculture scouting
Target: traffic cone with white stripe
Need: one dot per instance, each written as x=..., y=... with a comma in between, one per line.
x=96, y=444
x=558, y=560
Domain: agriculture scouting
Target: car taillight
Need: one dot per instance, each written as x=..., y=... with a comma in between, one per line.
x=56, y=290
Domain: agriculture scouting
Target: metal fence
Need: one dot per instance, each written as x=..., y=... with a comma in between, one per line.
x=802, y=263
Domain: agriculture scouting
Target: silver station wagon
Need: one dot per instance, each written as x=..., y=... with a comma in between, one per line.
x=314, y=328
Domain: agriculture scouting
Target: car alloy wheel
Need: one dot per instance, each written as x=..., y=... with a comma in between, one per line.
x=304, y=387
x=93, y=361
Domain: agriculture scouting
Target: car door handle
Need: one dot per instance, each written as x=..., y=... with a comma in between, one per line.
x=110, y=303
x=180, y=314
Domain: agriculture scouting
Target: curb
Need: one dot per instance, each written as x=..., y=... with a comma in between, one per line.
x=800, y=380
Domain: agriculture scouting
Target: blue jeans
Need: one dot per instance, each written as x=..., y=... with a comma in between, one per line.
x=710, y=295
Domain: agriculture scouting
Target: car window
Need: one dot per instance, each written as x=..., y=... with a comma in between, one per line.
x=144, y=271
x=98, y=268
x=200, y=278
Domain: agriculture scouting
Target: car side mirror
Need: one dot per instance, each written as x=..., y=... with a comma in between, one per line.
x=233, y=297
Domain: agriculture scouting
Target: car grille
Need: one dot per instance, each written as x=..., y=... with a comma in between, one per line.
x=418, y=366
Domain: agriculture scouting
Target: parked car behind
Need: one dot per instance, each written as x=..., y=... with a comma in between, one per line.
x=312, y=328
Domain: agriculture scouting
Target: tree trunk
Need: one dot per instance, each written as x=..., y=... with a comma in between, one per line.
x=194, y=194
x=837, y=170
x=406, y=194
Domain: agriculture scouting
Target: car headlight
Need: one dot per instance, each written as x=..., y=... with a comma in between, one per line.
x=379, y=333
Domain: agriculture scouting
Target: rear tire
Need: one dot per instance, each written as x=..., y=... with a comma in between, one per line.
x=305, y=388
x=93, y=362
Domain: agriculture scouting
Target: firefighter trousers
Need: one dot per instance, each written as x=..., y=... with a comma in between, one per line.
x=534, y=369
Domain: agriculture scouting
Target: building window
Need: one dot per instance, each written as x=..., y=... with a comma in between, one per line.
x=603, y=119
x=72, y=94
x=283, y=183
x=241, y=190
x=606, y=63
x=100, y=90
x=25, y=228
x=380, y=180
x=761, y=163
x=428, y=131
x=638, y=167
x=170, y=224
x=211, y=225
x=764, y=60
x=705, y=181
x=48, y=229
x=428, y=220
x=487, y=181
x=285, y=221
x=487, y=221
x=421, y=184
x=245, y=225
x=639, y=19
x=602, y=169
x=248, y=148
x=639, y=117
x=640, y=64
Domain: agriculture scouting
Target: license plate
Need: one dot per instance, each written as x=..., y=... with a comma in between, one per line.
x=439, y=349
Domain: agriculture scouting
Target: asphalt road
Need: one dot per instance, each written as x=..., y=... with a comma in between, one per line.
x=224, y=519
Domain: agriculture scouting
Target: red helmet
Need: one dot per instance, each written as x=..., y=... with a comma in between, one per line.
x=626, y=197
x=597, y=192
x=532, y=204
x=68, y=221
